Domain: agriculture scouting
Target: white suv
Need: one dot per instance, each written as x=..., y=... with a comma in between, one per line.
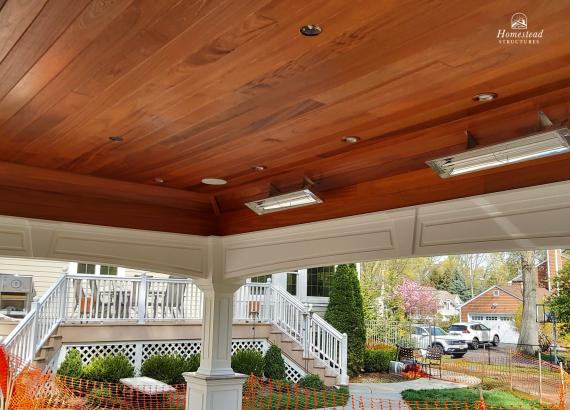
x=449, y=344
x=475, y=334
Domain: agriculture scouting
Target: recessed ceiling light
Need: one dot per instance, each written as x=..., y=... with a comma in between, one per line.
x=116, y=138
x=259, y=168
x=283, y=202
x=311, y=30
x=214, y=181
x=484, y=97
x=538, y=145
x=351, y=139
x=159, y=180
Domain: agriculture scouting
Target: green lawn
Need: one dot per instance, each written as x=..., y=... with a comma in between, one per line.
x=496, y=397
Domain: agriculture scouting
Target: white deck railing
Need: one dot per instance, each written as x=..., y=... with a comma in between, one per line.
x=101, y=299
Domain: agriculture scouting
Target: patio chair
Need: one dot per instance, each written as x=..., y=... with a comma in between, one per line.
x=433, y=359
x=173, y=300
x=405, y=355
x=84, y=302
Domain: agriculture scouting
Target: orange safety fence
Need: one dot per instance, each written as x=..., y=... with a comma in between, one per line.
x=511, y=369
x=30, y=388
x=278, y=395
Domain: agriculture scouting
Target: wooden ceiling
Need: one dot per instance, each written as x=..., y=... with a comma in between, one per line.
x=203, y=88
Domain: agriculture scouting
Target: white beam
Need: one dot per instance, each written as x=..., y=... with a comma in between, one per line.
x=536, y=217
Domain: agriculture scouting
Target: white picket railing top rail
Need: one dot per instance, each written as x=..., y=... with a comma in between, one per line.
x=326, y=325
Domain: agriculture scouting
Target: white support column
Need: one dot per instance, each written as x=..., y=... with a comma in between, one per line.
x=217, y=322
x=215, y=386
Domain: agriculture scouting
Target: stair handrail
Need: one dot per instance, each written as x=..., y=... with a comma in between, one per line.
x=330, y=345
x=289, y=314
x=318, y=337
x=25, y=340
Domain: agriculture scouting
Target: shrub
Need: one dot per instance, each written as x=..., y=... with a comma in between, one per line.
x=248, y=361
x=193, y=362
x=109, y=368
x=273, y=364
x=378, y=360
x=72, y=366
x=312, y=381
x=103, y=397
x=169, y=368
x=346, y=314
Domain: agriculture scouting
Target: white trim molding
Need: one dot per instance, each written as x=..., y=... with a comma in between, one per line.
x=528, y=218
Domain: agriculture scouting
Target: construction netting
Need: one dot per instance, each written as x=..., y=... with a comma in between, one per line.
x=27, y=387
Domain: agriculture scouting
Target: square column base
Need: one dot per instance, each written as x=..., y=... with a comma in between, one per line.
x=213, y=392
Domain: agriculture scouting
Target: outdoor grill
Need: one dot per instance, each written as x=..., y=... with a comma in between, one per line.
x=16, y=293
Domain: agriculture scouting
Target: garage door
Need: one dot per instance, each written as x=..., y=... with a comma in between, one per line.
x=503, y=324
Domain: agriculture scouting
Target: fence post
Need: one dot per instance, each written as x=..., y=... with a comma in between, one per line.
x=306, y=334
x=562, y=386
x=138, y=357
x=143, y=289
x=64, y=296
x=33, y=336
x=511, y=366
x=539, y=376
x=268, y=301
x=344, y=362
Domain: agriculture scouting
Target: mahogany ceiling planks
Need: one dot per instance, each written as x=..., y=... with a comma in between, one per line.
x=212, y=88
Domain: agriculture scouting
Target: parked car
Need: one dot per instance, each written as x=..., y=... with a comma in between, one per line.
x=475, y=334
x=449, y=344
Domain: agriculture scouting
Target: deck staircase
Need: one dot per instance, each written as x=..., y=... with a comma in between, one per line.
x=74, y=301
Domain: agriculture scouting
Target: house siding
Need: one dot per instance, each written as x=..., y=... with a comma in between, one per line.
x=44, y=272
x=505, y=304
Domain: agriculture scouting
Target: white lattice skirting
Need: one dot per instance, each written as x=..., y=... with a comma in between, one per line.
x=138, y=352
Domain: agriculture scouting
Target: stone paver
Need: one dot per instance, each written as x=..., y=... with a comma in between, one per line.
x=370, y=395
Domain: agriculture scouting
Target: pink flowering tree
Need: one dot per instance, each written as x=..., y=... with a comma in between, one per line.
x=417, y=300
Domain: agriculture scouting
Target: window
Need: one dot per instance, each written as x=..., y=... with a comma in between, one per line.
x=92, y=269
x=457, y=328
x=319, y=281
x=492, y=318
x=86, y=268
x=108, y=270
x=477, y=317
x=292, y=283
x=261, y=279
x=496, y=293
x=506, y=318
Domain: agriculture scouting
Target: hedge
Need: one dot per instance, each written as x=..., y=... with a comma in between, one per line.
x=273, y=364
x=248, y=361
x=72, y=365
x=109, y=368
x=378, y=360
x=169, y=368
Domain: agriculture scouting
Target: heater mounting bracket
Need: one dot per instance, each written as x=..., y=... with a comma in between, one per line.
x=545, y=122
x=471, y=140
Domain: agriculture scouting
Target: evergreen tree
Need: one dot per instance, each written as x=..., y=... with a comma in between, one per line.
x=359, y=331
x=458, y=286
x=345, y=313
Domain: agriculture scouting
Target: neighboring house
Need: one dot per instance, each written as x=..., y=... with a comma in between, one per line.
x=497, y=306
x=448, y=304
